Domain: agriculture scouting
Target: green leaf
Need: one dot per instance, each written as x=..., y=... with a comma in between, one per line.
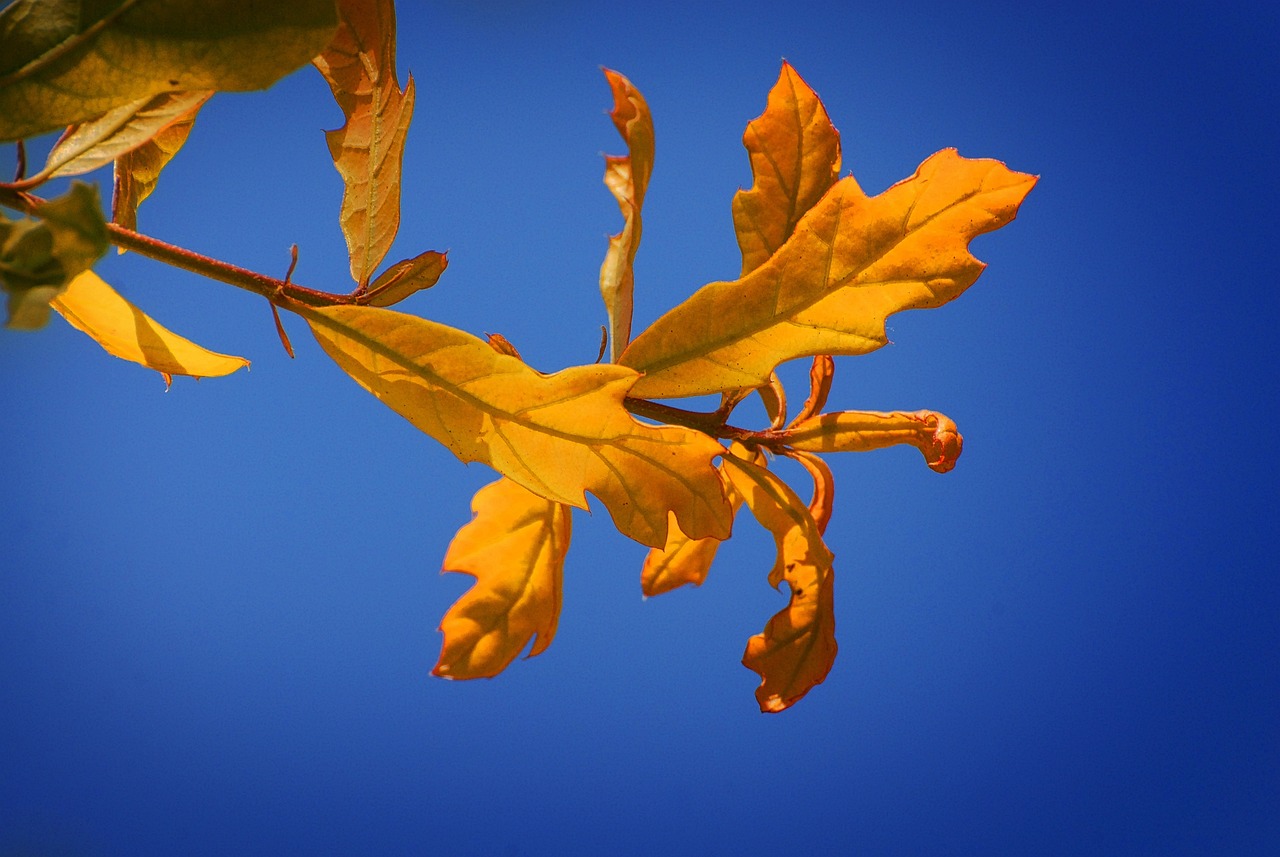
x=69, y=61
x=39, y=257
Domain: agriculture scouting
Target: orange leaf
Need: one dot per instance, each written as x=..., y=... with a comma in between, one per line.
x=795, y=158
x=557, y=435
x=405, y=278
x=682, y=560
x=514, y=547
x=798, y=645
x=360, y=66
x=137, y=171
x=859, y=431
x=852, y=261
x=627, y=177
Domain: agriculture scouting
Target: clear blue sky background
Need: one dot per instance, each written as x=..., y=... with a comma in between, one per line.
x=218, y=605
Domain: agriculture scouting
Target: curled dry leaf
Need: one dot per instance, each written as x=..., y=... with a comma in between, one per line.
x=627, y=177
x=932, y=433
x=798, y=646
x=514, y=547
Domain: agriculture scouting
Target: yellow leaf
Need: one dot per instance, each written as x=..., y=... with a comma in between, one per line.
x=682, y=560
x=852, y=261
x=798, y=645
x=557, y=435
x=514, y=547
x=627, y=177
x=360, y=65
x=859, y=431
x=92, y=306
x=822, y=503
x=90, y=145
x=795, y=158
x=137, y=171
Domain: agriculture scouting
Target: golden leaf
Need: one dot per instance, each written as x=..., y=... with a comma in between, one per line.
x=859, y=431
x=795, y=158
x=514, y=547
x=682, y=560
x=798, y=645
x=137, y=171
x=627, y=177
x=360, y=65
x=557, y=435
x=93, y=307
x=89, y=145
x=852, y=261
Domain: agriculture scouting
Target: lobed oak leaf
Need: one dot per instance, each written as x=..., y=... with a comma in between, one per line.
x=137, y=171
x=935, y=435
x=557, y=435
x=682, y=560
x=94, y=308
x=515, y=547
x=852, y=261
x=627, y=177
x=795, y=158
x=360, y=66
x=96, y=143
x=68, y=61
x=798, y=646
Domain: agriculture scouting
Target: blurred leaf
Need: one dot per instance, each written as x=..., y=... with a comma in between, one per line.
x=798, y=645
x=360, y=66
x=795, y=158
x=557, y=435
x=137, y=171
x=627, y=177
x=93, y=307
x=860, y=431
x=39, y=257
x=405, y=278
x=514, y=547
x=69, y=61
x=94, y=144
x=852, y=261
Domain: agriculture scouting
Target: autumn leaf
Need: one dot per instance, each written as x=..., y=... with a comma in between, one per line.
x=627, y=177
x=795, y=158
x=557, y=435
x=93, y=307
x=681, y=560
x=90, y=145
x=66, y=61
x=514, y=547
x=38, y=257
x=935, y=435
x=360, y=66
x=852, y=261
x=405, y=278
x=137, y=171
x=798, y=645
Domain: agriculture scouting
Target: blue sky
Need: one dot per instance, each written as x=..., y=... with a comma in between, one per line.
x=218, y=605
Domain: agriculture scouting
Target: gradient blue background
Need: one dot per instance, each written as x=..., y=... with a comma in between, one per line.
x=218, y=605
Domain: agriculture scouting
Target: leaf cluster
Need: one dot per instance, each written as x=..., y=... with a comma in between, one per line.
x=823, y=266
